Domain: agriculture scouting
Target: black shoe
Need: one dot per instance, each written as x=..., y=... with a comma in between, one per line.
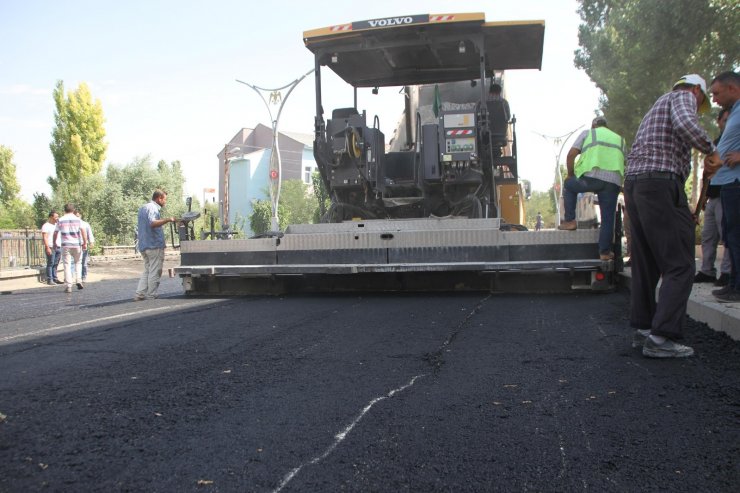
x=723, y=280
x=639, y=337
x=57, y=281
x=722, y=291
x=50, y=283
x=702, y=277
x=80, y=285
x=732, y=296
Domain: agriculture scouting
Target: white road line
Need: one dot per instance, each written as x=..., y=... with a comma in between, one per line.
x=93, y=321
x=339, y=437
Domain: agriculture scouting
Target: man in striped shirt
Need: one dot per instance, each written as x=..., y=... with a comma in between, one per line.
x=660, y=220
x=74, y=240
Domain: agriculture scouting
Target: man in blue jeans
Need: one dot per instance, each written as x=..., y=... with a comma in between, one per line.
x=725, y=90
x=53, y=251
x=600, y=170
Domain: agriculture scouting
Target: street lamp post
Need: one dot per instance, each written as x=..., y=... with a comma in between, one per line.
x=275, y=163
x=558, y=188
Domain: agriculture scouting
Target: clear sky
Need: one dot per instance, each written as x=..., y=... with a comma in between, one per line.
x=165, y=74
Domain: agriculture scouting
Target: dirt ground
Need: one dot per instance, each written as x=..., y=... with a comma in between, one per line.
x=99, y=269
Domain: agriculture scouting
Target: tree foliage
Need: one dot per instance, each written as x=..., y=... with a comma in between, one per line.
x=294, y=196
x=541, y=202
x=17, y=214
x=41, y=207
x=322, y=196
x=260, y=221
x=634, y=50
x=78, y=144
x=296, y=206
x=9, y=187
x=110, y=202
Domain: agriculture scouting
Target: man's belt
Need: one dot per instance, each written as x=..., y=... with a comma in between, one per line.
x=654, y=175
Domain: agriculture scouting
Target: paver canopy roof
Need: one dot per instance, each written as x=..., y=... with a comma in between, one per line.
x=425, y=49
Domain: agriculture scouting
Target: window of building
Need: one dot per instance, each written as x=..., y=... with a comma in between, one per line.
x=307, y=175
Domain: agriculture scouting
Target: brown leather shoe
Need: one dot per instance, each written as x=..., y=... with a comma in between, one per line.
x=568, y=226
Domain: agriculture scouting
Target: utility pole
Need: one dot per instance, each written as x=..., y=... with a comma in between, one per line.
x=558, y=186
x=275, y=175
x=225, y=203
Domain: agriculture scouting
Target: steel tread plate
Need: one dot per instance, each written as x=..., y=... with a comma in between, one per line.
x=398, y=239
x=395, y=225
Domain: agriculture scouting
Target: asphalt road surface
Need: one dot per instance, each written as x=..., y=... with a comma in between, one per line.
x=457, y=392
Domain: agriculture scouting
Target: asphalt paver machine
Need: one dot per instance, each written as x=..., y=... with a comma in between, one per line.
x=423, y=211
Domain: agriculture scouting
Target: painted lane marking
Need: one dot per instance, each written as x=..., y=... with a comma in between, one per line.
x=93, y=321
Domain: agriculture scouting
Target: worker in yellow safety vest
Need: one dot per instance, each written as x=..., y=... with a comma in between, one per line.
x=600, y=169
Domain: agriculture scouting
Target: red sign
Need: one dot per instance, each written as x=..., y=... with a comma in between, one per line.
x=273, y=174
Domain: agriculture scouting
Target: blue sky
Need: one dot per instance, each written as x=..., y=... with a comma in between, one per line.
x=165, y=74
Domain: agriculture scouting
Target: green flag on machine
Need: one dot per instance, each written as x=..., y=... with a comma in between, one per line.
x=437, y=105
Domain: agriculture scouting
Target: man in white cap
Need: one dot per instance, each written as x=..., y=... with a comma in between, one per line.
x=662, y=224
x=599, y=169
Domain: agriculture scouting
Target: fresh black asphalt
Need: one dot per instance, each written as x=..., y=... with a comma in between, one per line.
x=414, y=392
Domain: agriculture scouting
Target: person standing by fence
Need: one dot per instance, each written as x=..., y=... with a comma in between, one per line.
x=51, y=248
x=74, y=241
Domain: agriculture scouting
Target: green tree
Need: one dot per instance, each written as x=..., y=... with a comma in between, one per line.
x=633, y=50
x=78, y=139
x=17, y=214
x=541, y=202
x=294, y=196
x=111, y=202
x=322, y=196
x=41, y=207
x=260, y=219
x=9, y=187
x=172, y=179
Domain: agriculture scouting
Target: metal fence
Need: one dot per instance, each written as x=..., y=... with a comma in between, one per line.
x=21, y=248
x=25, y=248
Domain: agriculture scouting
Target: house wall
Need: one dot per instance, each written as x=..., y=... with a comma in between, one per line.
x=249, y=171
x=248, y=181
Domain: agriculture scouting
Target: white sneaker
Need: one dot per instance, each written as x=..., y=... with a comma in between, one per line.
x=668, y=349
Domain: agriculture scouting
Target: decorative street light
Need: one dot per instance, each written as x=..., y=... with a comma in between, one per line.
x=275, y=97
x=558, y=188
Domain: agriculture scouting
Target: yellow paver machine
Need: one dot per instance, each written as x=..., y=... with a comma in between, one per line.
x=438, y=205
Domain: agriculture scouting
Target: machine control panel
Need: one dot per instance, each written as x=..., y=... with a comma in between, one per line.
x=458, y=142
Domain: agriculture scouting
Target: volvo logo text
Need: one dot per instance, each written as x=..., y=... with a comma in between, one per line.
x=391, y=21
